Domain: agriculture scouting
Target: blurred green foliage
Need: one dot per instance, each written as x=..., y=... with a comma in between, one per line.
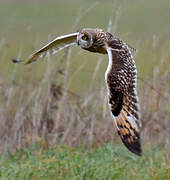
x=108, y=162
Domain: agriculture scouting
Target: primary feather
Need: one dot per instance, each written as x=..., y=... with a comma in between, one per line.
x=54, y=46
x=123, y=101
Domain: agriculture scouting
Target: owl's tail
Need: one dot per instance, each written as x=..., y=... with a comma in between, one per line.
x=127, y=129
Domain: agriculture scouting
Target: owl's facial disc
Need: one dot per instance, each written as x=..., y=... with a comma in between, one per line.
x=84, y=40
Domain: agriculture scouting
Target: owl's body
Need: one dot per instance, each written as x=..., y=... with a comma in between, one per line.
x=120, y=78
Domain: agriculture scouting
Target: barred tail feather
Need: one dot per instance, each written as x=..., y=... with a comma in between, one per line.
x=128, y=132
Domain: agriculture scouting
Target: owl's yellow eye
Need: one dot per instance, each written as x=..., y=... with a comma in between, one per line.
x=85, y=37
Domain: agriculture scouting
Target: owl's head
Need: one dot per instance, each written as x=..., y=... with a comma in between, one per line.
x=86, y=37
x=92, y=40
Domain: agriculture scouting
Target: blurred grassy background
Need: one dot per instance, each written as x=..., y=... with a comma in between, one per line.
x=27, y=25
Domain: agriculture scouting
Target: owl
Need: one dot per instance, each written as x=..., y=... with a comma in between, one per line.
x=120, y=78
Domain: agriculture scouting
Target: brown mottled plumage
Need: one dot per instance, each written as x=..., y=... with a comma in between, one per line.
x=120, y=77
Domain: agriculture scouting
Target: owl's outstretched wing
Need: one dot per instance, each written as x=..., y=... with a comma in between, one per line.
x=54, y=46
x=123, y=101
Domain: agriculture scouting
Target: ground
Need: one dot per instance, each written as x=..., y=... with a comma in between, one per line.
x=110, y=161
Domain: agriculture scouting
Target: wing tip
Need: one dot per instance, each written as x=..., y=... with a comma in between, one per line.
x=134, y=147
x=16, y=61
x=132, y=143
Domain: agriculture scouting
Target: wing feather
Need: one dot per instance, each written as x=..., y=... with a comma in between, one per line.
x=122, y=97
x=54, y=46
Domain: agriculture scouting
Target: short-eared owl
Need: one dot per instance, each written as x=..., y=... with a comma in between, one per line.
x=120, y=77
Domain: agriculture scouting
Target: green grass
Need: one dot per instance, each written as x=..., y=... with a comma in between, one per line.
x=108, y=162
